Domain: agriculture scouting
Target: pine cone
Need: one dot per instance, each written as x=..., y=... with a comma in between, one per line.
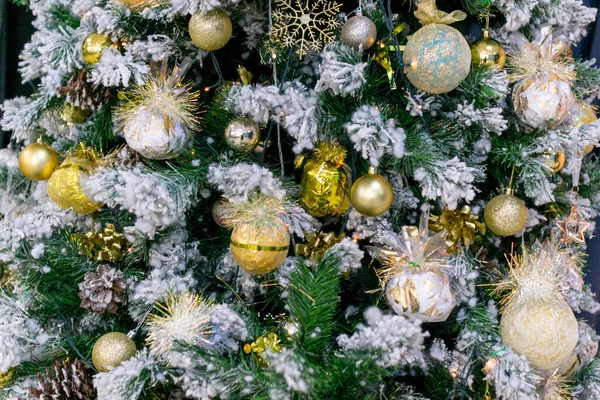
x=65, y=380
x=82, y=94
x=103, y=290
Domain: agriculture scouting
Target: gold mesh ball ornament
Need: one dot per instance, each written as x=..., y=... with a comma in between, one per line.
x=111, y=350
x=505, y=215
x=437, y=56
x=38, y=161
x=64, y=186
x=93, y=47
x=372, y=194
x=210, y=30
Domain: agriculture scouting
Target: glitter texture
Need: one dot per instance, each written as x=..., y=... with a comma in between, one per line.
x=211, y=30
x=359, y=31
x=505, y=215
x=111, y=350
x=437, y=58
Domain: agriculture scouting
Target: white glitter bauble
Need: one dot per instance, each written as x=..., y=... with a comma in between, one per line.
x=423, y=294
x=154, y=136
x=545, y=332
x=542, y=103
x=359, y=32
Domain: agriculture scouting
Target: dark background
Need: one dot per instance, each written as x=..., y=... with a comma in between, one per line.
x=16, y=29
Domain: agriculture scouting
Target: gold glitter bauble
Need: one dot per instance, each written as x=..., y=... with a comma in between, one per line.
x=359, y=32
x=218, y=213
x=64, y=186
x=111, y=350
x=505, y=215
x=326, y=181
x=38, y=161
x=259, y=248
x=437, y=58
x=242, y=134
x=93, y=47
x=544, y=102
x=211, y=30
x=488, y=52
x=545, y=332
x=372, y=195
x=74, y=114
x=554, y=160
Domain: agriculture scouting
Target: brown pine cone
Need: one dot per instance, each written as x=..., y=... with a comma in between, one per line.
x=65, y=380
x=82, y=94
x=102, y=291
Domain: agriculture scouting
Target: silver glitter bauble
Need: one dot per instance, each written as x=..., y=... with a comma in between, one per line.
x=242, y=134
x=155, y=136
x=359, y=31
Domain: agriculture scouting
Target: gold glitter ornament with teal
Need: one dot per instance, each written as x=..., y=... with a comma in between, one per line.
x=437, y=57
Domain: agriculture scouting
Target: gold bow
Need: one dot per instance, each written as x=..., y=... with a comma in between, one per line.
x=6, y=377
x=383, y=54
x=428, y=13
x=102, y=246
x=460, y=225
x=261, y=344
x=318, y=244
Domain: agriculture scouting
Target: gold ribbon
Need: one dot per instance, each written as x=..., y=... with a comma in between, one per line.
x=317, y=245
x=428, y=13
x=102, y=246
x=261, y=344
x=383, y=54
x=258, y=247
x=461, y=226
x=6, y=377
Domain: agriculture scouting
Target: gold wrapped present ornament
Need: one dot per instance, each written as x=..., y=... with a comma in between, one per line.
x=414, y=275
x=460, y=226
x=317, y=244
x=326, y=182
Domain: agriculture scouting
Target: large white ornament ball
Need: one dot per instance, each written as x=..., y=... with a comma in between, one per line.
x=437, y=58
x=155, y=136
x=423, y=294
x=542, y=103
x=545, y=332
x=359, y=32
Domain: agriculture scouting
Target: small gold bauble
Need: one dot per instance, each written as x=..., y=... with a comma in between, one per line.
x=64, y=186
x=545, y=332
x=218, y=211
x=74, y=114
x=554, y=160
x=242, y=134
x=260, y=248
x=359, y=32
x=93, y=47
x=211, y=30
x=505, y=215
x=372, y=195
x=488, y=52
x=111, y=350
x=437, y=58
x=38, y=161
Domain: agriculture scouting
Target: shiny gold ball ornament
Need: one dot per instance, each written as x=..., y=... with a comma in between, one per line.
x=111, y=350
x=259, y=247
x=505, y=214
x=326, y=182
x=545, y=331
x=372, y=195
x=242, y=134
x=587, y=115
x=210, y=30
x=38, y=161
x=64, y=186
x=554, y=160
x=488, y=53
x=93, y=47
x=359, y=32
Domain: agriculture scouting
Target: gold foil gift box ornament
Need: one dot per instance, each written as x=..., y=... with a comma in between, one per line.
x=414, y=274
x=460, y=226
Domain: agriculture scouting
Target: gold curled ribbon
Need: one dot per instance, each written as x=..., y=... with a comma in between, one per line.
x=461, y=226
x=6, y=377
x=258, y=247
x=428, y=13
x=383, y=54
x=102, y=246
x=317, y=245
x=261, y=344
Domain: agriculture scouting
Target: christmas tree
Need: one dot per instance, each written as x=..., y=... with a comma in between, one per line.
x=300, y=199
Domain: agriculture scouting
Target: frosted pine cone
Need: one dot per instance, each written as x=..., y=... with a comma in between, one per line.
x=102, y=291
x=82, y=94
x=65, y=380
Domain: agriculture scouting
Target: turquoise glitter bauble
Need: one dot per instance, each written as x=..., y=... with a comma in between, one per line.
x=437, y=58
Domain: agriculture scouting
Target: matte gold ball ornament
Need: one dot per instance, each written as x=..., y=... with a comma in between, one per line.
x=372, y=195
x=242, y=134
x=359, y=32
x=210, y=30
x=111, y=350
x=488, y=53
x=38, y=161
x=93, y=47
x=505, y=214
